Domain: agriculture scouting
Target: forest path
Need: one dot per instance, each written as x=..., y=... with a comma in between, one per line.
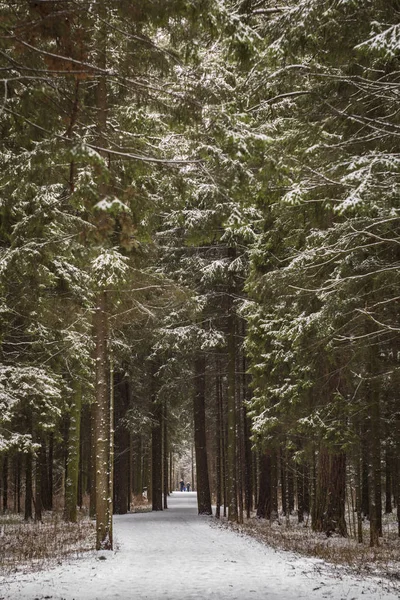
x=178, y=554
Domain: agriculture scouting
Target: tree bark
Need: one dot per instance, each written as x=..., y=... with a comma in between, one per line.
x=156, y=453
x=71, y=486
x=199, y=415
x=28, y=486
x=122, y=447
x=231, y=408
x=102, y=442
x=5, y=482
x=218, y=439
x=264, y=485
x=165, y=455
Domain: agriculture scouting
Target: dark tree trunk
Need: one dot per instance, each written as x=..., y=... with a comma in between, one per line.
x=248, y=462
x=364, y=474
x=335, y=518
x=218, y=436
x=223, y=452
x=264, y=486
x=50, y=474
x=5, y=482
x=274, y=486
x=300, y=493
x=122, y=446
x=38, y=488
x=307, y=492
x=388, y=481
x=156, y=456
x=231, y=408
x=240, y=436
x=28, y=486
x=137, y=466
x=284, y=482
x=290, y=484
x=255, y=472
x=358, y=496
x=102, y=439
x=17, y=483
x=321, y=491
x=74, y=434
x=44, y=476
x=92, y=462
x=329, y=514
x=375, y=490
x=165, y=455
x=203, y=485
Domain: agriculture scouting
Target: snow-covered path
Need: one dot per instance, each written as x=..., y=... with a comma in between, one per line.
x=177, y=554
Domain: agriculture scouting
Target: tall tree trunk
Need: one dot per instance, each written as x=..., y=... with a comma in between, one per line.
x=122, y=447
x=264, y=485
x=17, y=483
x=248, y=465
x=156, y=452
x=102, y=445
x=300, y=493
x=92, y=461
x=248, y=458
x=321, y=491
x=231, y=408
x=103, y=426
x=71, y=486
x=364, y=472
x=5, y=482
x=335, y=517
x=50, y=465
x=28, y=486
x=165, y=455
x=388, y=481
x=375, y=496
x=223, y=451
x=358, y=495
x=137, y=465
x=38, y=488
x=199, y=415
x=290, y=484
x=218, y=439
x=274, y=486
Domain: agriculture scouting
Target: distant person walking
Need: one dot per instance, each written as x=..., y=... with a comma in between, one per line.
x=188, y=486
x=182, y=485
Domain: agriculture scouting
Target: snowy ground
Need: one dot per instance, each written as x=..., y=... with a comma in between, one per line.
x=177, y=554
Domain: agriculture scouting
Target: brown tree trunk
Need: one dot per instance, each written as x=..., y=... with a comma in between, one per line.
x=38, y=487
x=71, y=486
x=264, y=486
x=203, y=484
x=321, y=491
x=218, y=436
x=28, y=486
x=335, y=517
x=165, y=455
x=102, y=440
x=231, y=408
x=374, y=475
x=388, y=481
x=5, y=482
x=92, y=462
x=156, y=456
x=122, y=446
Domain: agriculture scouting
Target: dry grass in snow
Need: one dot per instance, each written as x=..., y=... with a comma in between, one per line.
x=29, y=545
x=383, y=561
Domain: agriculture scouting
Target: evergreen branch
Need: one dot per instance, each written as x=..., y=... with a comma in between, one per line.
x=279, y=97
x=149, y=159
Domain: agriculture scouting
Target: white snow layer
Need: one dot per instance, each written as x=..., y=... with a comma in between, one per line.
x=178, y=554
